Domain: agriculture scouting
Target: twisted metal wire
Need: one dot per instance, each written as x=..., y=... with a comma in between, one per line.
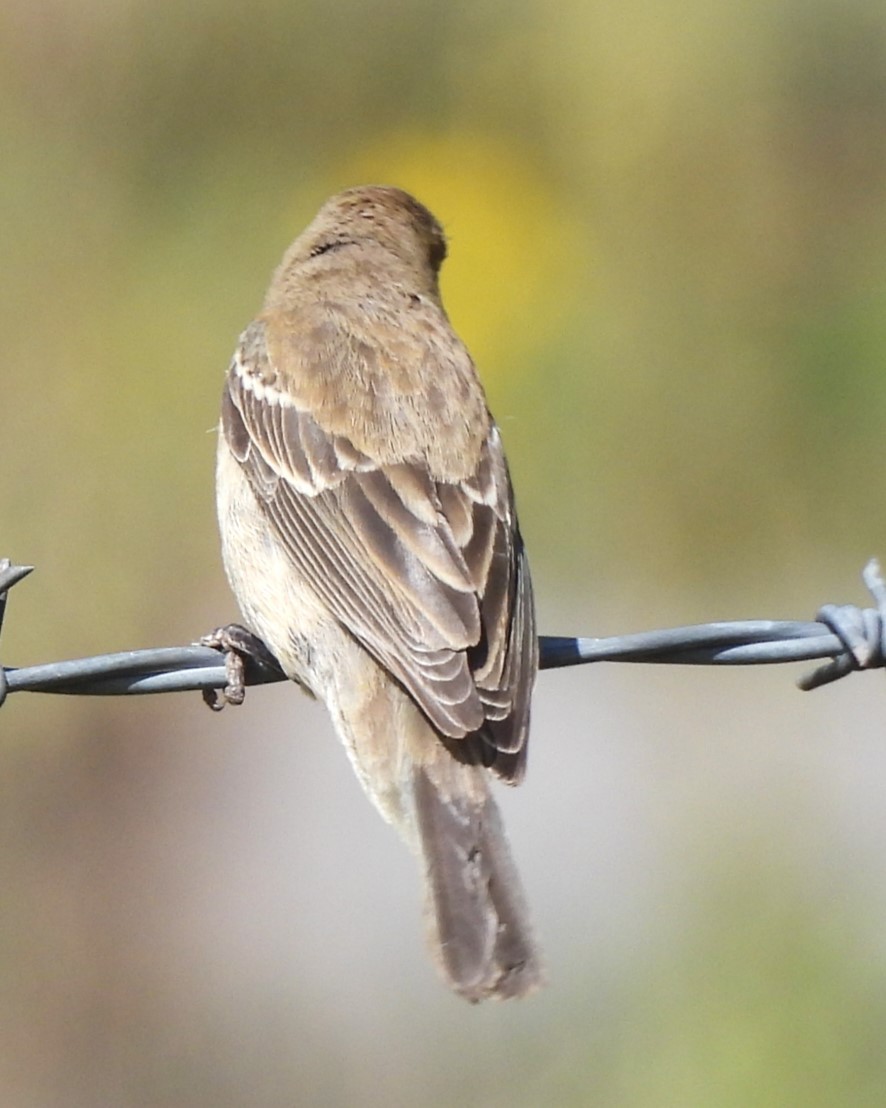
x=851, y=638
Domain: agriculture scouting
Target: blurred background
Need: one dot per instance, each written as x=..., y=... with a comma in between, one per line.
x=668, y=257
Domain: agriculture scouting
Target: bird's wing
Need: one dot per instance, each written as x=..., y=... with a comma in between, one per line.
x=429, y=576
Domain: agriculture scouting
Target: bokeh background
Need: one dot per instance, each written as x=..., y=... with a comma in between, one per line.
x=668, y=256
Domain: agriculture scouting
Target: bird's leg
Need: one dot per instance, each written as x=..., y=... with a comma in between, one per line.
x=242, y=650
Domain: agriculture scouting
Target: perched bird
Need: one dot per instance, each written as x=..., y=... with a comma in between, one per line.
x=369, y=535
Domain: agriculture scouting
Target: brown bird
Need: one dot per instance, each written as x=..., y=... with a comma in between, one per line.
x=369, y=535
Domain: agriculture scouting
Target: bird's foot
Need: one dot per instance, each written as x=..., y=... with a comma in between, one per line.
x=241, y=649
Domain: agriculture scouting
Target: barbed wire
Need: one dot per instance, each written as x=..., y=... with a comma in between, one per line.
x=852, y=638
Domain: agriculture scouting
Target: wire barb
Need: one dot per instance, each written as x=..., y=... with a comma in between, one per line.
x=850, y=638
x=862, y=631
x=9, y=575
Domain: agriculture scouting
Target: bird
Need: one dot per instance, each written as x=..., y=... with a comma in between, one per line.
x=369, y=535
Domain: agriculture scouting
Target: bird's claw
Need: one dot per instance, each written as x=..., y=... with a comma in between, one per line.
x=240, y=647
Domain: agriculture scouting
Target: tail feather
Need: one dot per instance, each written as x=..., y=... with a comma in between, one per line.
x=478, y=918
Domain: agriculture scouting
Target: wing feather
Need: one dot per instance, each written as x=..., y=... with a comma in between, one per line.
x=430, y=576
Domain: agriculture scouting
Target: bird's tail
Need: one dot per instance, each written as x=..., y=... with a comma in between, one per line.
x=478, y=922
